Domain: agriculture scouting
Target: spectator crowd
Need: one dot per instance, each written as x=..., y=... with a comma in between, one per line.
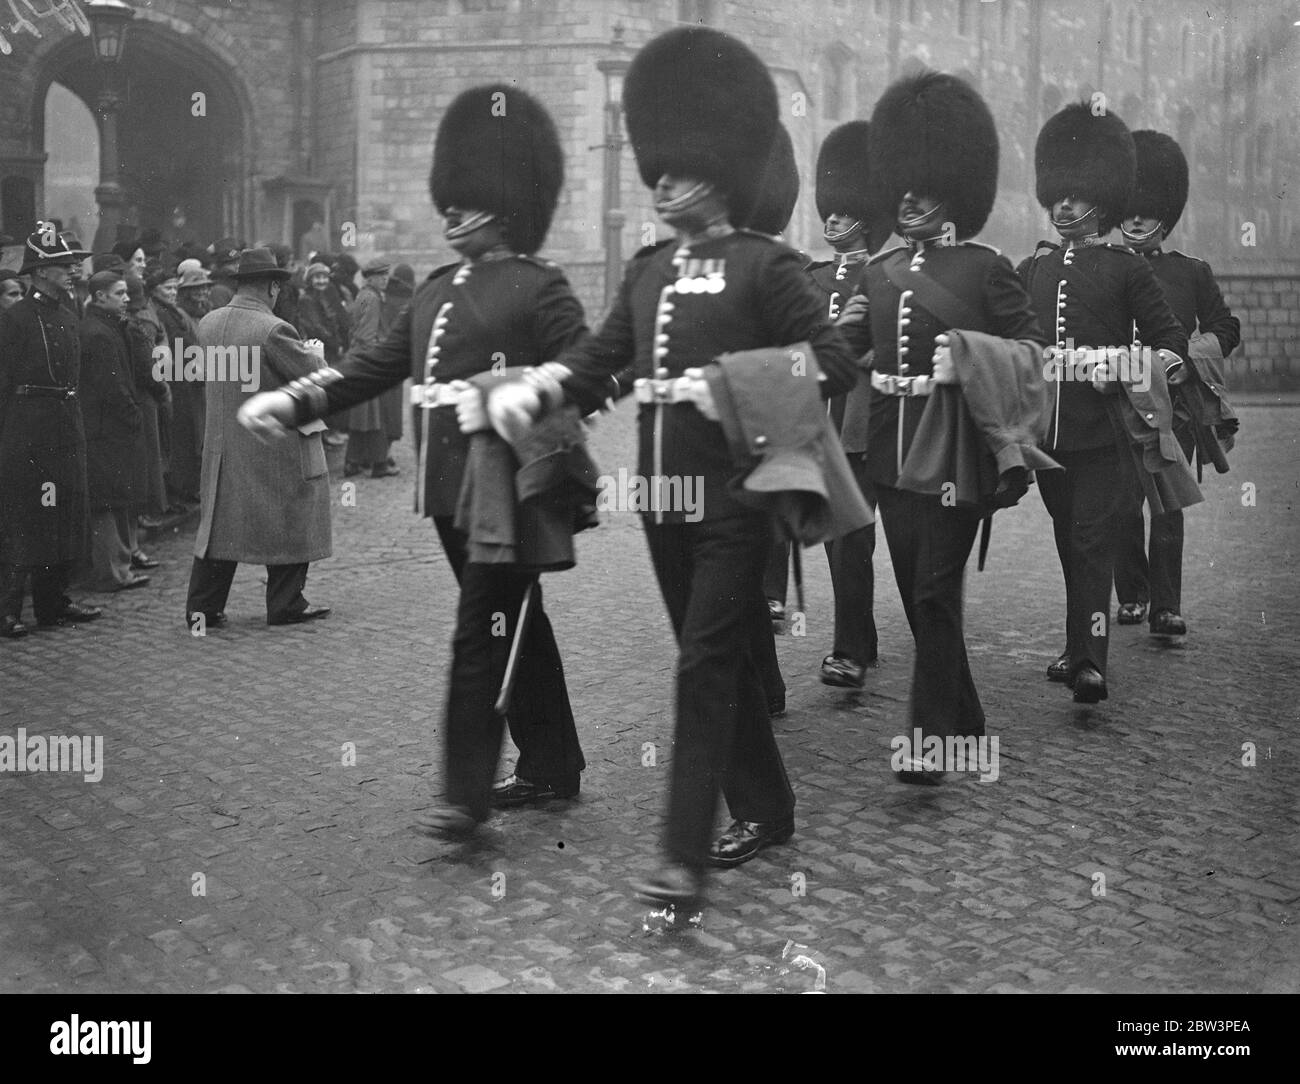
x=114, y=373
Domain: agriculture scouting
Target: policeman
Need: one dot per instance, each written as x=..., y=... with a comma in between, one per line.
x=44, y=515
x=934, y=157
x=1092, y=294
x=702, y=115
x=1159, y=196
x=497, y=173
x=855, y=229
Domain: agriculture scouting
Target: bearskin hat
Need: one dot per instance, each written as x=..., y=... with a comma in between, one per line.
x=778, y=190
x=842, y=165
x=701, y=104
x=497, y=151
x=932, y=134
x=1161, y=185
x=1089, y=155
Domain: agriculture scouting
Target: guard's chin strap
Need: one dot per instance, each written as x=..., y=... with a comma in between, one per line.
x=1139, y=238
x=687, y=199
x=1060, y=227
x=833, y=237
x=467, y=226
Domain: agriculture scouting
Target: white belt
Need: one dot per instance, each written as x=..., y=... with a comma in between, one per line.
x=890, y=384
x=647, y=390
x=429, y=396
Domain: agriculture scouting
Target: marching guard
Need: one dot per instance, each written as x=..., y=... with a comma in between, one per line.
x=702, y=115
x=932, y=309
x=497, y=172
x=856, y=230
x=1110, y=430
x=1204, y=423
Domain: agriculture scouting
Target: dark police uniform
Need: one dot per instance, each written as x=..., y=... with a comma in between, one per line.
x=1197, y=302
x=44, y=514
x=928, y=542
x=1091, y=295
x=679, y=308
x=507, y=310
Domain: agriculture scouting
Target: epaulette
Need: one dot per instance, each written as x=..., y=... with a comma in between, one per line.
x=1118, y=248
x=981, y=244
x=759, y=233
x=539, y=261
x=1184, y=255
x=883, y=253
x=1050, y=246
x=815, y=265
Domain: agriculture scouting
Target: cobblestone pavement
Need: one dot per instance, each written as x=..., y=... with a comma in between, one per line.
x=228, y=847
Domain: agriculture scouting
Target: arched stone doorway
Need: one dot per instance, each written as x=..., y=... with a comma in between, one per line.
x=184, y=140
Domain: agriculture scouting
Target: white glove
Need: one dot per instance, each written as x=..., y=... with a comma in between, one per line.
x=470, y=414
x=698, y=389
x=511, y=408
x=268, y=415
x=945, y=372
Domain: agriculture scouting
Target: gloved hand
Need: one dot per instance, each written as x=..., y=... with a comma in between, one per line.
x=701, y=395
x=268, y=415
x=471, y=415
x=512, y=407
x=1176, y=371
x=945, y=372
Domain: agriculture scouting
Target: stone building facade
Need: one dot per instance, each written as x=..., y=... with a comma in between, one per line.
x=325, y=112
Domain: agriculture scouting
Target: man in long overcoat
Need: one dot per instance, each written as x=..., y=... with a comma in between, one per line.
x=44, y=522
x=261, y=504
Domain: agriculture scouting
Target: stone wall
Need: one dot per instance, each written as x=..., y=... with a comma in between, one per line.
x=1267, y=302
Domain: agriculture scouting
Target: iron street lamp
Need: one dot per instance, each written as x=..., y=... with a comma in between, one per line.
x=614, y=70
x=109, y=20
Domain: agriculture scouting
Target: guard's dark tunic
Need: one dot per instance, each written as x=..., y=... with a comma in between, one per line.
x=44, y=517
x=507, y=312
x=1091, y=296
x=743, y=291
x=1191, y=291
x=901, y=330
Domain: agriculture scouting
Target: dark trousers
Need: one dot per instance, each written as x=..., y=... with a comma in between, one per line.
x=1157, y=579
x=49, y=590
x=1088, y=503
x=929, y=545
x=210, y=587
x=711, y=576
x=540, y=716
x=853, y=580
